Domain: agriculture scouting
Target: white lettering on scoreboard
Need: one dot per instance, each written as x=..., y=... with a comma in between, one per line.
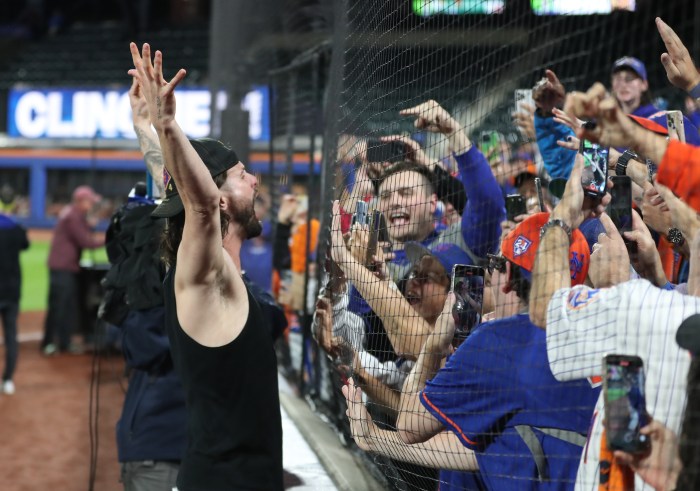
x=67, y=113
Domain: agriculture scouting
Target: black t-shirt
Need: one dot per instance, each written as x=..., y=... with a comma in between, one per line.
x=233, y=413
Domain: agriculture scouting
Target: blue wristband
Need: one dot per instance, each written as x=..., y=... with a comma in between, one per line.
x=695, y=92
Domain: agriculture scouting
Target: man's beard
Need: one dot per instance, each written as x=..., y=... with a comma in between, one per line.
x=245, y=217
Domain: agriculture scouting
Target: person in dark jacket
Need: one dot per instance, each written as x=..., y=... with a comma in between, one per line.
x=151, y=436
x=13, y=240
x=151, y=433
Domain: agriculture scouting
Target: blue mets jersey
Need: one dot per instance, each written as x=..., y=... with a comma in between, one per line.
x=498, y=395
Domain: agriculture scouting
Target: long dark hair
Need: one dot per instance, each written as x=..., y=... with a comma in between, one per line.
x=689, y=441
x=172, y=233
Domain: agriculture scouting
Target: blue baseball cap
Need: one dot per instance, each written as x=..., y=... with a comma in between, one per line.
x=633, y=64
x=447, y=254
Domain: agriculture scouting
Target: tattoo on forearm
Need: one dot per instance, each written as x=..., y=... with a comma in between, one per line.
x=152, y=155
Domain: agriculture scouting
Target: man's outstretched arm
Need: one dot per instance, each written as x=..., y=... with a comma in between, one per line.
x=201, y=239
x=148, y=140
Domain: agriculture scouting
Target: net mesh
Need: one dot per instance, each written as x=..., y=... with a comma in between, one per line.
x=477, y=397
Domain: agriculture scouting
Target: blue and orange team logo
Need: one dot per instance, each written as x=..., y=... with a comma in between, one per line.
x=581, y=297
x=166, y=180
x=521, y=245
x=575, y=264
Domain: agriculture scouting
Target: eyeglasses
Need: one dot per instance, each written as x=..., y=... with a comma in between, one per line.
x=423, y=277
x=496, y=263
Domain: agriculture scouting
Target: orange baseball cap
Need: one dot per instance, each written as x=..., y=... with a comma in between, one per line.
x=650, y=124
x=520, y=247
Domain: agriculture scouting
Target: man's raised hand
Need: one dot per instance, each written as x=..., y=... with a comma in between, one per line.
x=548, y=93
x=155, y=89
x=414, y=152
x=613, y=128
x=610, y=262
x=574, y=207
x=680, y=69
x=139, y=106
x=430, y=116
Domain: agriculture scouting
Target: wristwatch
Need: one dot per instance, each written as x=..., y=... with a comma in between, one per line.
x=555, y=222
x=695, y=92
x=652, y=168
x=623, y=160
x=675, y=237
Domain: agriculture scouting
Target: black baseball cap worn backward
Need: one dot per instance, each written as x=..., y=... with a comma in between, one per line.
x=216, y=156
x=688, y=334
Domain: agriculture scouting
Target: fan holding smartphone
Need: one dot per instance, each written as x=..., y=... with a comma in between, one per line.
x=468, y=287
x=496, y=391
x=625, y=403
x=620, y=208
x=595, y=169
x=385, y=151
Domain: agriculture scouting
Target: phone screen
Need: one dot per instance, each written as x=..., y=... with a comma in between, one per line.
x=468, y=287
x=595, y=168
x=625, y=403
x=620, y=208
x=378, y=236
x=379, y=151
x=515, y=205
x=360, y=216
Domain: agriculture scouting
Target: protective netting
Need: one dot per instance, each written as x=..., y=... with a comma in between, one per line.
x=421, y=149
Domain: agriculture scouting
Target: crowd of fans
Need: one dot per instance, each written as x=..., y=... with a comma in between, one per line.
x=510, y=398
x=470, y=314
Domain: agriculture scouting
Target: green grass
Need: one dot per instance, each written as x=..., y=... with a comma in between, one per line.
x=35, y=274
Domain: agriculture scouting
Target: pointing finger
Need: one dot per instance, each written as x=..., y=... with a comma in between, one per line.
x=610, y=228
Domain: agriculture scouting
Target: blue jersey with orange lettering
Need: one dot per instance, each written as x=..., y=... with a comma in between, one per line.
x=498, y=395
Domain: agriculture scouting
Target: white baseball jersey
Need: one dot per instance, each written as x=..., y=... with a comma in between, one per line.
x=633, y=318
x=351, y=327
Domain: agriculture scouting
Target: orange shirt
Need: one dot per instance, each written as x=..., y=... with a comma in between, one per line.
x=298, y=245
x=680, y=171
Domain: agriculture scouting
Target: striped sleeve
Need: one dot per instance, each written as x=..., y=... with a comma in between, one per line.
x=581, y=329
x=632, y=318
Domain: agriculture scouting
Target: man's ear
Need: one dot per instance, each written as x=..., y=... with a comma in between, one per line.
x=433, y=203
x=645, y=85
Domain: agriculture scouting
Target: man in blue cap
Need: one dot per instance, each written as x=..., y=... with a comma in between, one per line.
x=631, y=87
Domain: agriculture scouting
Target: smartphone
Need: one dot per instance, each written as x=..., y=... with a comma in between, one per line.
x=595, y=169
x=360, y=215
x=379, y=151
x=468, y=288
x=378, y=236
x=523, y=96
x=540, y=196
x=620, y=207
x=675, y=125
x=625, y=404
x=515, y=205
